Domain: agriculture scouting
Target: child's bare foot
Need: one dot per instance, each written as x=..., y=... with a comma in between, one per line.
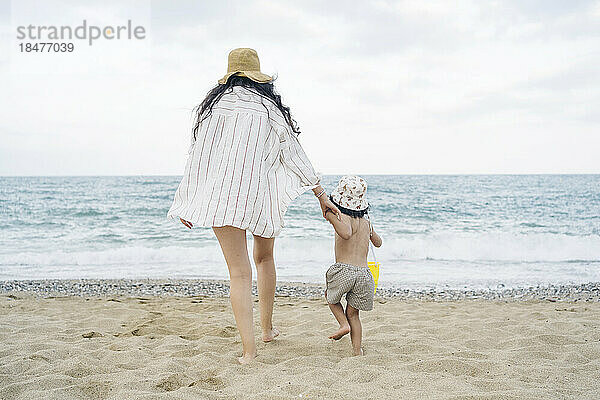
x=359, y=352
x=269, y=335
x=337, y=335
x=246, y=358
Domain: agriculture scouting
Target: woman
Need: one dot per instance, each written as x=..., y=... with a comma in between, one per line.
x=245, y=166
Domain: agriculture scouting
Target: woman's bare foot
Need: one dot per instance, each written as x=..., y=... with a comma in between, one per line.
x=269, y=335
x=344, y=330
x=246, y=358
x=360, y=352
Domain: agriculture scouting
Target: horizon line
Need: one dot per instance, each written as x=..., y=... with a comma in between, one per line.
x=330, y=174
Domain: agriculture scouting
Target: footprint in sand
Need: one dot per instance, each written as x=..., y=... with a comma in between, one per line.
x=38, y=357
x=209, y=383
x=190, y=337
x=365, y=376
x=172, y=382
x=79, y=372
x=143, y=330
x=136, y=332
x=227, y=332
x=453, y=367
x=91, y=334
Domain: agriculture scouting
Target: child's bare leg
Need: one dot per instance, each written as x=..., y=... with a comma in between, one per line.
x=338, y=313
x=355, y=330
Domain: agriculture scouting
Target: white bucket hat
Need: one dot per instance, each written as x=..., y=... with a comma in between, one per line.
x=351, y=193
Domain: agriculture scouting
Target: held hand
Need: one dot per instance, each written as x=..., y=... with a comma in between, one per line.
x=186, y=223
x=327, y=205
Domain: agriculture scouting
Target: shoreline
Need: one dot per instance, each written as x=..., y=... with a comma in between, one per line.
x=586, y=292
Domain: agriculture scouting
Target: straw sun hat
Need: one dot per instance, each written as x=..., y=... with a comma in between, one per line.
x=244, y=62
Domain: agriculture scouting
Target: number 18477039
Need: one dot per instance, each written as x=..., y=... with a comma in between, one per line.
x=46, y=47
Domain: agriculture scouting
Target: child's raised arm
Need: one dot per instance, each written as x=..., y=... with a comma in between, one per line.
x=341, y=227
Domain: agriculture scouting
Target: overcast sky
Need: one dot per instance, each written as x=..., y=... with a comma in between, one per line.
x=398, y=87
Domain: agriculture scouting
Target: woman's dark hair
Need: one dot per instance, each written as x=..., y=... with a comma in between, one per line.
x=266, y=90
x=349, y=212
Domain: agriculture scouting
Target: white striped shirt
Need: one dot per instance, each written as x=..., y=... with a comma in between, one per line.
x=244, y=169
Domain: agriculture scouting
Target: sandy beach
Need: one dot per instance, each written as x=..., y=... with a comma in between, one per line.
x=172, y=347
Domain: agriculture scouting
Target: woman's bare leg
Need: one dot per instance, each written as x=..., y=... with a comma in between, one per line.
x=355, y=330
x=266, y=281
x=233, y=245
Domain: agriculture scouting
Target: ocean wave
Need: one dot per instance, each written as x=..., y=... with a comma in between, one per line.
x=444, y=246
x=88, y=213
x=496, y=246
x=127, y=255
x=439, y=260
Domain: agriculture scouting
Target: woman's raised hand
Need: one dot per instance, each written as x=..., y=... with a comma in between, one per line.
x=186, y=223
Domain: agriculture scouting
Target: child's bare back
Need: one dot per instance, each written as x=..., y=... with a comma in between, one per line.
x=353, y=249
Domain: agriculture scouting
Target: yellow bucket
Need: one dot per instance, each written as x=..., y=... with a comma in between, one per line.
x=374, y=267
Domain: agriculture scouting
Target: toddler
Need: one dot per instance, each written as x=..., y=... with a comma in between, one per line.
x=350, y=275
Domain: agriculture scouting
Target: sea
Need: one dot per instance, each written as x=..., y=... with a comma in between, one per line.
x=465, y=231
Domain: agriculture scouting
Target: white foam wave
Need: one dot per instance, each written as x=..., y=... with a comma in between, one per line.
x=480, y=259
x=543, y=247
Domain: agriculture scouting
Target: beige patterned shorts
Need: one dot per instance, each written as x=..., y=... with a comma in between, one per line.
x=355, y=282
